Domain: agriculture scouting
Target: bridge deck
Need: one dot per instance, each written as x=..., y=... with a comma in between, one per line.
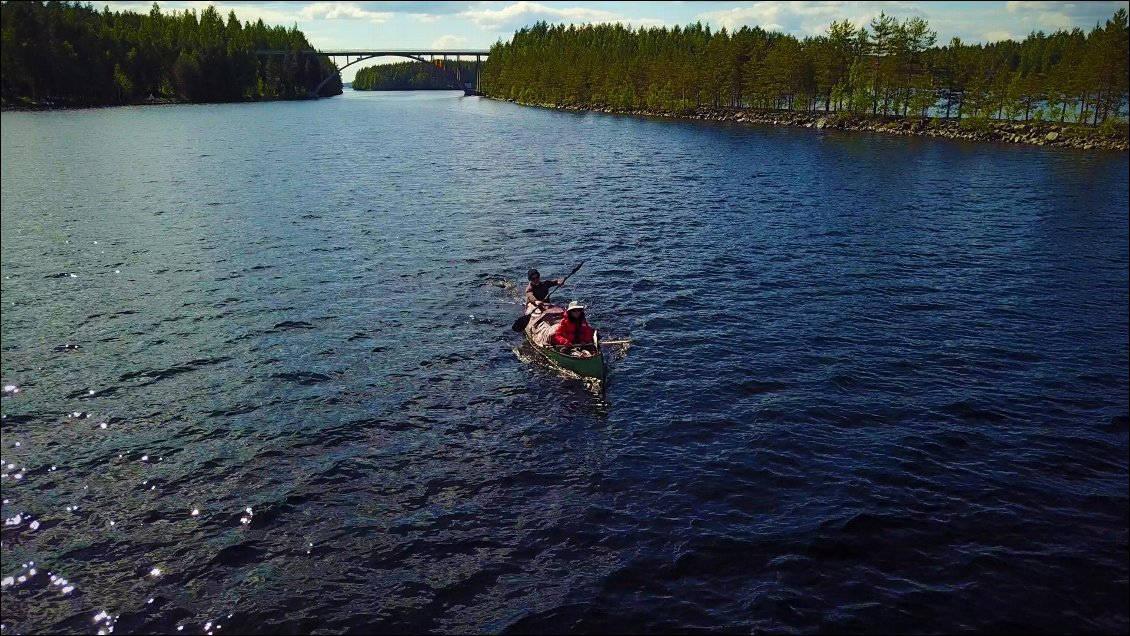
x=375, y=52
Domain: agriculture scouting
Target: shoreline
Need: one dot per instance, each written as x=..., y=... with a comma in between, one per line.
x=51, y=106
x=37, y=107
x=1053, y=134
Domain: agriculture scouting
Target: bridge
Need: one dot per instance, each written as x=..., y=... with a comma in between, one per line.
x=428, y=56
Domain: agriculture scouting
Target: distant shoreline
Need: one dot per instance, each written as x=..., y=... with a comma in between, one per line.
x=1055, y=134
x=32, y=107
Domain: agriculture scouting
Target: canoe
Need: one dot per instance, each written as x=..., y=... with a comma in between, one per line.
x=540, y=330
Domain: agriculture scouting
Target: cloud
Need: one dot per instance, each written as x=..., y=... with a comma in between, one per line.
x=424, y=8
x=801, y=18
x=1015, y=6
x=998, y=36
x=766, y=15
x=1041, y=14
x=342, y=11
x=1053, y=16
x=1055, y=21
x=449, y=42
x=523, y=13
x=981, y=22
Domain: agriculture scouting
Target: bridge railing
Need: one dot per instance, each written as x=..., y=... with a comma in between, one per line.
x=378, y=52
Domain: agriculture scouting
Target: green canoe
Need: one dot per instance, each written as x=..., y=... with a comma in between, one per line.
x=542, y=326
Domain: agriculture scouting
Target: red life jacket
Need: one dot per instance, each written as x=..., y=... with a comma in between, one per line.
x=569, y=332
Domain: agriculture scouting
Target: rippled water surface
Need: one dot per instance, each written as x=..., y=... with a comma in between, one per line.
x=259, y=375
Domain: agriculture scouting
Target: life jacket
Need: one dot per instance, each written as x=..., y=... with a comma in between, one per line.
x=569, y=332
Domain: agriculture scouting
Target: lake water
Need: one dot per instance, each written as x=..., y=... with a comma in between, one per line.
x=260, y=376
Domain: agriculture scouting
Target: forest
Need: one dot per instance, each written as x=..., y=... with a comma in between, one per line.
x=888, y=67
x=68, y=54
x=413, y=76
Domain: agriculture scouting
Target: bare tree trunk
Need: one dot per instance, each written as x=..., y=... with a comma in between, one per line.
x=1095, y=105
x=1107, y=101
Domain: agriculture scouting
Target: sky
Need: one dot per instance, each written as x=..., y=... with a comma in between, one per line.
x=478, y=25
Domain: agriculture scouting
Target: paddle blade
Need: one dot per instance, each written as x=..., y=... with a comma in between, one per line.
x=520, y=324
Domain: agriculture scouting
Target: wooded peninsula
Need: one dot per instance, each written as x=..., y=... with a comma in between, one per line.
x=1067, y=88
x=57, y=54
x=893, y=68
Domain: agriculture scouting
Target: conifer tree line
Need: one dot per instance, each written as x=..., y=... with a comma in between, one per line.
x=411, y=76
x=70, y=54
x=887, y=67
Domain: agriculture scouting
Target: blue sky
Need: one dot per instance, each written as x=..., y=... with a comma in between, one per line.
x=477, y=25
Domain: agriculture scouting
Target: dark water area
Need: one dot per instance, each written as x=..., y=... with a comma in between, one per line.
x=259, y=375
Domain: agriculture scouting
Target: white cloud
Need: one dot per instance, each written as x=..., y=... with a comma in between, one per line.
x=1050, y=16
x=980, y=23
x=1054, y=21
x=521, y=13
x=763, y=14
x=1016, y=6
x=643, y=22
x=802, y=18
x=342, y=11
x=1053, y=16
x=449, y=42
x=998, y=36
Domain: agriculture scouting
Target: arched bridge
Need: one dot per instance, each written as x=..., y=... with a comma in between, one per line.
x=429, y=56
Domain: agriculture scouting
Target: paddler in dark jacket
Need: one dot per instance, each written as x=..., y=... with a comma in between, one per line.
x=538, y=289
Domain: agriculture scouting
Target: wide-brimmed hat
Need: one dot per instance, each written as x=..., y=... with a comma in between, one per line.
x=575, y=305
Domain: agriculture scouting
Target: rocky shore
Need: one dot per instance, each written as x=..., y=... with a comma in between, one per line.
x=1036, y=133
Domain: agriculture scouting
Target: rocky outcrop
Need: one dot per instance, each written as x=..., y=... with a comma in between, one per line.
x=1035, y=133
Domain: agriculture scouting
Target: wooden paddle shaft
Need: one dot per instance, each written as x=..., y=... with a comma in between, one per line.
x=585, y=344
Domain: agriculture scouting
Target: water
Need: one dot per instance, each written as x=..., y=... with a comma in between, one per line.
x=261, y=377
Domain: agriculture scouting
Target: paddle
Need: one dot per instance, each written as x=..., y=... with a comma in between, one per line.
x=520, y=324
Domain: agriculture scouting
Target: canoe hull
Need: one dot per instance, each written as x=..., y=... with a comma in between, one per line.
x=590, y=367
x=539, y=331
